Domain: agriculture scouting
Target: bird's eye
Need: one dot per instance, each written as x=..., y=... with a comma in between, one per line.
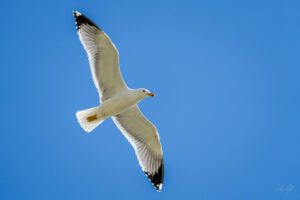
x=144, y=90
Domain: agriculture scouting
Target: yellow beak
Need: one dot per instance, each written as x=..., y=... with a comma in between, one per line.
x=151, y=94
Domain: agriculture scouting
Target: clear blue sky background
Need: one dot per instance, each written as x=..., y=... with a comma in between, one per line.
x=226, y=75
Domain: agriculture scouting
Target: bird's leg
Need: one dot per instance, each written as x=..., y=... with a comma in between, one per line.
x=91, y=118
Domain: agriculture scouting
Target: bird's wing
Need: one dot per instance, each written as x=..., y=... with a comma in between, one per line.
x=103, y=57
x=143, y=136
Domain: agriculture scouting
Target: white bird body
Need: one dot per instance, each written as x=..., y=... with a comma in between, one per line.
x=116, y=104
x=118, y=101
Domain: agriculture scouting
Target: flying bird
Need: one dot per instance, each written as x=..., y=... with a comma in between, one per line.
x=118, y=101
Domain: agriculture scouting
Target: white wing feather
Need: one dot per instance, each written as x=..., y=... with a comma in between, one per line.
x=103, y=57
x=144, y=138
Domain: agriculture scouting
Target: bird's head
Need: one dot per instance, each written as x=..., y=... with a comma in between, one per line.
x=145, y=93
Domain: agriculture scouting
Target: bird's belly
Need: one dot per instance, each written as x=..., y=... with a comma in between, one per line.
x=115, y=106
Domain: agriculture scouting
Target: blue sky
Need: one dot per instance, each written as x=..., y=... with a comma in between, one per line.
x=226, y=75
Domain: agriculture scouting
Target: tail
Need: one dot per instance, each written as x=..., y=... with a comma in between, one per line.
x=89, y=119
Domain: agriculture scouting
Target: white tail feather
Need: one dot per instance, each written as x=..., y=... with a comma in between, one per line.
x=89, y=119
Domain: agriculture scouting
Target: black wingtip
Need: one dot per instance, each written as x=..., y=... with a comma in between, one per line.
x=157, y=178
x=81, y=20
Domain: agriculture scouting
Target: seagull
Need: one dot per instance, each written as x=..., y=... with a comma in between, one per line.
x=118, y=101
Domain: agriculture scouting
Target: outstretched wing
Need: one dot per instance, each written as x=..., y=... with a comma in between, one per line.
x=144, y=138
x=103, y=57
